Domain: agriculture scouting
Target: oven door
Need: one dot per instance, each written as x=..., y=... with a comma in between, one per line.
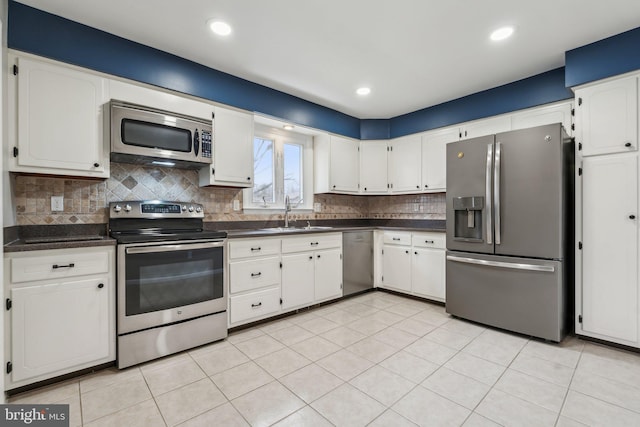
x=163, y=283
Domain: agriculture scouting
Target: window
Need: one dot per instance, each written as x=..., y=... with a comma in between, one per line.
x=282, y=166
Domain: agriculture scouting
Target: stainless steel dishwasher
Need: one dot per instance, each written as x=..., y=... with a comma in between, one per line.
x=357, y=266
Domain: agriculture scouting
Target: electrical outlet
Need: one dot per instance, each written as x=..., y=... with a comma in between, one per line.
x=317, y=207
x=236, y=205
x=57, y=203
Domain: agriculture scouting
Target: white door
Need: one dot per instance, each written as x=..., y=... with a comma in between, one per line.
x=344, y=162
x=58, y=326
x=427, y=273
x=233, y=147
x=328, y=274
x=610, y=247
x=373, y=167
x=297, y=280
x=396, y=267
x=405, y=158
x=60, y=120
x=607, y=117
x=434, y=158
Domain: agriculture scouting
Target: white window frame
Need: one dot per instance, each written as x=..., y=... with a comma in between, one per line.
x=281, y=137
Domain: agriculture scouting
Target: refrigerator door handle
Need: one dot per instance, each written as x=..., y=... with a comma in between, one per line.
x=488, y=193
x=496, y=191
x=498, y=264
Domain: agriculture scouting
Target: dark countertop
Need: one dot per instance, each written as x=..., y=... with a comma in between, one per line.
x=42, y=237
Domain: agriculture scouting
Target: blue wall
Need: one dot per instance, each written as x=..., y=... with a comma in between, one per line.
x=537, y=90
x=605, y=58
x=34, y=31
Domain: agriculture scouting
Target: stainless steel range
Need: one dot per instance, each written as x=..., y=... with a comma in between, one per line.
x=170, y=279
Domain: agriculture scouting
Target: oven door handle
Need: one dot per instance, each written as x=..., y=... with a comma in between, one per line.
x=172, y=248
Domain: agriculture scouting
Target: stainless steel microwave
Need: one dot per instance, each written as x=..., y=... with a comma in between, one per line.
x=148, y=136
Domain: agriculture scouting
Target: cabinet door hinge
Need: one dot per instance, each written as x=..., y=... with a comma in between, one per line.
x=280, y=264
x=280, y=301
x=383, y=278
x=580, y=318
x=340, y=285
x=213, y=171
x=573, y=111
x=15, y=151
x=579, y=101
x=573, y=126
x=383, y=252
x=213, y=115
x=580, y=245
x=8, y=304
x=579, y=146
x=9, y=367
x=15, y=70
x=579, y=171
x=340, y=256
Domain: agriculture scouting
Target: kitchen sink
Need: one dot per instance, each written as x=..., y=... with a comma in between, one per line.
x=293, y=229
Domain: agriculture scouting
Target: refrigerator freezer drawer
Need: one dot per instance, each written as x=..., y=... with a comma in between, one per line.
x=518, y=294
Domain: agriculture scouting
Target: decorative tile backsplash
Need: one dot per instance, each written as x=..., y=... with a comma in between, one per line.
x=86, y=201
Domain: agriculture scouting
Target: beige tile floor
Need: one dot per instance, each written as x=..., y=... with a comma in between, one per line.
x=376, y=359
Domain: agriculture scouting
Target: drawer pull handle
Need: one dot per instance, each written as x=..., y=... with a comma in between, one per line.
x=396, y=239
x=56, y=266
x=101, y=285
x=256, y=305
x=255, y=249
x=429, y=241
x=314, y=243
x=258, y=274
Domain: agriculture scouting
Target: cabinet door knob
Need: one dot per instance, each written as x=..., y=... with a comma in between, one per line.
x=334, y=186
x=248, y=178
x=311, y=257
x=318, y=256
x=416, y=253
x=628, y=144
x=406, y=252
x=101, y=285
x=96, y=165
x=426, y=186
x=417, y=186
x=365, y=188
x=632, y=216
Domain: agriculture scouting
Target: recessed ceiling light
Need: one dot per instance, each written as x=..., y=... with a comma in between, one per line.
x=288, y=127
x=363, y=91
x=221, y=28
x=501, y=33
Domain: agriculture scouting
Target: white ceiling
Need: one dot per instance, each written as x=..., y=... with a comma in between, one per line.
x=412, y=53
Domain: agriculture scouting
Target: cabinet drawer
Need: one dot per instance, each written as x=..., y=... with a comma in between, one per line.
x=58, y=265
x=311, y=242
x=253, y=274
x=253, y=305
x=397, y=238
x=248, y=248
x=429, y=240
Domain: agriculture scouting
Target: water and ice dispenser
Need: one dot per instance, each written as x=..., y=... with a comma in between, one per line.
x=468, y=218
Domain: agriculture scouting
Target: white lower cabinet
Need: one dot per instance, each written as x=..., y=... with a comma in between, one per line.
x=64, y=320
x=271, y=276
x=414, y=263
x=607, y=275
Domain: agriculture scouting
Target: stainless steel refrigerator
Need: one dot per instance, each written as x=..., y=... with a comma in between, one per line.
x=509, y=230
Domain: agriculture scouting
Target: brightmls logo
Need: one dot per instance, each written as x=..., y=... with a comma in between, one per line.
x=34, y=415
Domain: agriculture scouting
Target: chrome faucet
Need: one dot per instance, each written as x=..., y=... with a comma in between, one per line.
x=287, y=209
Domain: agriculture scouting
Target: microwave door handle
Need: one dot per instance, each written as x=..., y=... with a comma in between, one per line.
x=488, y=193
x=496, y=191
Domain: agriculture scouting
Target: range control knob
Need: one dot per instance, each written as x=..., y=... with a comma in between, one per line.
x=198, y=209
x=117, y=208
x=127, y=208
x=190, y=208
x=184, y=208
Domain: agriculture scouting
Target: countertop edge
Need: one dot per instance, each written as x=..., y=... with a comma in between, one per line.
x=20, y=246
x=239, y=234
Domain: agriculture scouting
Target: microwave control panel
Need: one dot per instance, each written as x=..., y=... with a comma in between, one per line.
x=206, y=144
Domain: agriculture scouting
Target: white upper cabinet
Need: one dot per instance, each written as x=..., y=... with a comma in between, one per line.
x=232, y=150
x=405, y=158
x=373, y=167
x=434, y=158
x=559, y=113
x=56, y=120
x=607, y=117
x=336, y=164
x=486, y=127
